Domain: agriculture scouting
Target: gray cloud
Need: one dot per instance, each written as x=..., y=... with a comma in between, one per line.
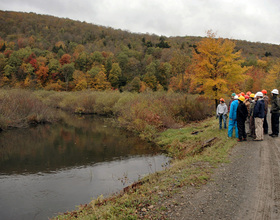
x=252, y=20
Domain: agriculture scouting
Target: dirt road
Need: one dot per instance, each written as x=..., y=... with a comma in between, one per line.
x=246, y=188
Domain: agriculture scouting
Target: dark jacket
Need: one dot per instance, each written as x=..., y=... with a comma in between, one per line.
x=242, y=112
x=275, y=106
x=259, y=109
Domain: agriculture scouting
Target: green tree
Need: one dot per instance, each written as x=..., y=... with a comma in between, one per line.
x=163, y=75
x=97, y=57
x=135, y=84
x=115, y=74
x=180, y=62
x=53, y=65
x=67, y=71
x=83, y=62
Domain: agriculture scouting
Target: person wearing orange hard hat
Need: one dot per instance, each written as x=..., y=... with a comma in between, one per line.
x=241, y=116
x=265, y=99
x=221, y=113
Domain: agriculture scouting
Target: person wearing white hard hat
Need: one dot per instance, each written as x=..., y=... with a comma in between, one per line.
x=259, y=116
x=275, y=110
x=232, y=118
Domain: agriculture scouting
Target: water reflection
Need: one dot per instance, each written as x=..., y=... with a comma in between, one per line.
x=49, y=169
x=78, y=142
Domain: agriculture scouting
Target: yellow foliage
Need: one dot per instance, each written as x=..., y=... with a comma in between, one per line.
x=143, y=86
x=272, y=80
x=217, y=68
x=100, y=82
x=4, y=81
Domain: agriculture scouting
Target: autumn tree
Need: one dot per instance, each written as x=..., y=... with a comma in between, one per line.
x=217, y=68
x=100, y=82
x=65, y=59
x=80, y=80
x=42, y=75
x=272, y=80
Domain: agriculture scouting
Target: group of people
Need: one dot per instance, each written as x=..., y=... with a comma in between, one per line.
x=252, y=108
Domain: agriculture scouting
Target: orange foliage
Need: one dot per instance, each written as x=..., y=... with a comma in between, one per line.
x=65, y=59
x=42, y=75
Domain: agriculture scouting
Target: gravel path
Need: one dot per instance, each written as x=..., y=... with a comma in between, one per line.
x=246, y=188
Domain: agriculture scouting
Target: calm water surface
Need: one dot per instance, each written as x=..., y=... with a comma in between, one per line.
x=49, y=169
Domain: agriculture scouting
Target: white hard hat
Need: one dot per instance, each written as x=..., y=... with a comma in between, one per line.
x=275, y=91
x=236, y=97
x=259, y=94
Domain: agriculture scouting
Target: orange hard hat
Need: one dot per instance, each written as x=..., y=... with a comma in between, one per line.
x=247, y=97
x=242, y=93
x=264, y=91
x=222, y=100
x=248, y=93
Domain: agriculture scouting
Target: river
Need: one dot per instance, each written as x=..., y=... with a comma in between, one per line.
x=50, y=169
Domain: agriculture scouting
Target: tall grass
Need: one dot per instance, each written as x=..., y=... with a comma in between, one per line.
x=144, y=114
x=20, y=108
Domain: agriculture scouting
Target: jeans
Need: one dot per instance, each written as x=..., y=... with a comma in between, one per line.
x=222, y=118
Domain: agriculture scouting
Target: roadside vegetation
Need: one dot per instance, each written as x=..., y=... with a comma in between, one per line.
x=197, y=149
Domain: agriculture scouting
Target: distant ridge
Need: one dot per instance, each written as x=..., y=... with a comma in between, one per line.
x=47, y=30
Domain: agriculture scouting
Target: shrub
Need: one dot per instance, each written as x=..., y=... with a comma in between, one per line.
x=22, y=107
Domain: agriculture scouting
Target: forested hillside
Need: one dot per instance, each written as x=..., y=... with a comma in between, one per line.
x=40, y=51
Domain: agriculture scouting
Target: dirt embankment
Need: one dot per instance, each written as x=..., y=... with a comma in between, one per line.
x=246, y=188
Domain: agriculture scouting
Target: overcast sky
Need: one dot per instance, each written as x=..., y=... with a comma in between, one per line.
x=251, y=20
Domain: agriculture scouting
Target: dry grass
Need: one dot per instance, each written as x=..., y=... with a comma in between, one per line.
x=19, y=108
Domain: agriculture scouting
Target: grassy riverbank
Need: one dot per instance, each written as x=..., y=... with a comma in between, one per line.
x=197, y=148
x=172, y=120
x=145, y=114
x=21, y=108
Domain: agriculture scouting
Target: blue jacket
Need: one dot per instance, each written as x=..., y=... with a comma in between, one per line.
x=233, y=110
x=259, y=109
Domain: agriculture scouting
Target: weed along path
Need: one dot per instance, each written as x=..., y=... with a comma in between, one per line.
x=246, y=188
